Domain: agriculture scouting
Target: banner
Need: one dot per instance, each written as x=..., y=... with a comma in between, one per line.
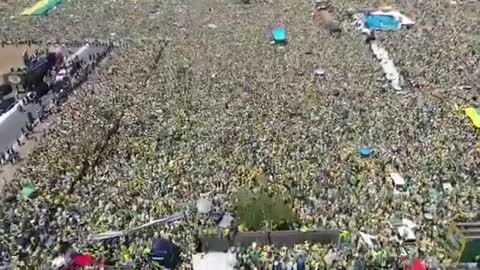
x=41, y=8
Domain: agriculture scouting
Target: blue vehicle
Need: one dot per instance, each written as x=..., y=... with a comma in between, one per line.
x=32, y=76
x=36, y=70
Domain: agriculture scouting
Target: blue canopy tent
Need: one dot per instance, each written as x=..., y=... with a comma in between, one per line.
x=382, y=22
x=165, y=253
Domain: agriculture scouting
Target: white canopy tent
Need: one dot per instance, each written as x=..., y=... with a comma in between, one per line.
x=214, y=261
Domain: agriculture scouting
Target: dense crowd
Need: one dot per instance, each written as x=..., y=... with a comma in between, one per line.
x=183, y=111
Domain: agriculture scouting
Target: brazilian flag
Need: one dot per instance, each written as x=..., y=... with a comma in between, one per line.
x=455, y=242
x=41, y=8
x=474, y=115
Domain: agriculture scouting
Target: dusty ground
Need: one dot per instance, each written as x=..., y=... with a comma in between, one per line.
x=12, y=56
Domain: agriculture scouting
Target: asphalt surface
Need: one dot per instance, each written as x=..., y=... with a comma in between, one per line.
x=12, y=121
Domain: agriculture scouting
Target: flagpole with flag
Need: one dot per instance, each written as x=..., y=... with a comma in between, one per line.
x=474, y=115
x=42, y=7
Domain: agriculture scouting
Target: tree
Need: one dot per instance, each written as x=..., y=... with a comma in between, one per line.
x=259, y=211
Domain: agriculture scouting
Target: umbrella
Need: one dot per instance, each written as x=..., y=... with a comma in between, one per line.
x=204, y=206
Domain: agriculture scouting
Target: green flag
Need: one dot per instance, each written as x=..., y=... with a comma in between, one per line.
x=27, y=190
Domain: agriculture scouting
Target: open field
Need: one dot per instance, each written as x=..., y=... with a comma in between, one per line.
x=12, y=56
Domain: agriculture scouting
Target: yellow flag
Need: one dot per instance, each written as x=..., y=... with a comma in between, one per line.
x=474, y=115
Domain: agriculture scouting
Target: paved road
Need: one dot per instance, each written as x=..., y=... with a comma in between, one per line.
x=12, y=122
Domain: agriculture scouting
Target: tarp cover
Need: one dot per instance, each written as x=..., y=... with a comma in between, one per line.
x=471, y=251
x=382, y=22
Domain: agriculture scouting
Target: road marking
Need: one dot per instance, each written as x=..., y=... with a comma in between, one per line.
x=4, y=116
x=79, y=52
x=71, y=57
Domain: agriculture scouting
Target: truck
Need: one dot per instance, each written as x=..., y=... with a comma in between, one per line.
x=36, y=69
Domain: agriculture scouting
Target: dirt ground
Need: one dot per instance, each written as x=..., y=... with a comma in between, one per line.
x=12, y=56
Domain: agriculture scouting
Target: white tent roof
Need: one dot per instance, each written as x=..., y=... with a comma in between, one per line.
x=213, y=261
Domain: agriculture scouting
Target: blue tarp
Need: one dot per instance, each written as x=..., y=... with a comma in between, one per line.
x=382, y=22
x=365, y=151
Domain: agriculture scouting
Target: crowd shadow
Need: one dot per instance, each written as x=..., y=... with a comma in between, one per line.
x=6, y=104
x=5, y=89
